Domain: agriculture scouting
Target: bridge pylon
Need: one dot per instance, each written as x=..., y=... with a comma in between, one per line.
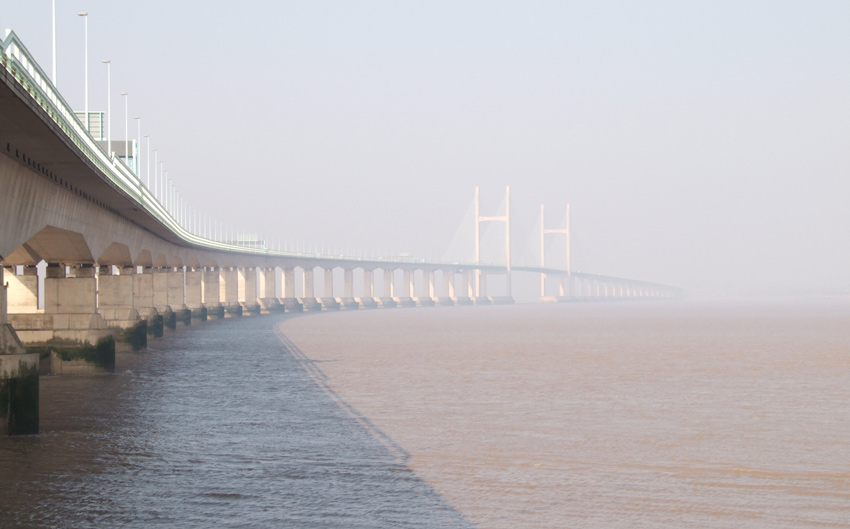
x=564, y=288
x=480, y=275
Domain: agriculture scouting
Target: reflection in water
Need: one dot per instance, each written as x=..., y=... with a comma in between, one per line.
x=680, y=414
x=220, y=426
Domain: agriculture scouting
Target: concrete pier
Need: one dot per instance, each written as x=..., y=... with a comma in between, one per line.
x=195, y=294
x=176, y=296
x=229, y=292
x=143, y=300
x=69, y=336
x=268, y=291
x=247, y=295
x=19, y=403
x=212, y=292
x=116, y=304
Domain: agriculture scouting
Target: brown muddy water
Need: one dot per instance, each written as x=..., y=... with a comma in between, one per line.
x=679, y=414
x=656, y=414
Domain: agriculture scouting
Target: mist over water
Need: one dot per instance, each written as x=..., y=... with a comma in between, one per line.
x=632, y=414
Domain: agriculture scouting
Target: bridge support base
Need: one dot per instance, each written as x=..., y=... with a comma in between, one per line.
x=18, y=385
x=405, y=302
x=388, y=303
x=200, y=313
x=349, y=303
x=292, y=305
x=129, y=329
x=67, y=344
x=329, y=303
x=368, y=303
x=154, y=321
x=251, y=308
x=270, y=305
x=310, y=304
x=502, y=300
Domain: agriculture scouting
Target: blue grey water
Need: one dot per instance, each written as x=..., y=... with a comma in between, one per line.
x=217, y=425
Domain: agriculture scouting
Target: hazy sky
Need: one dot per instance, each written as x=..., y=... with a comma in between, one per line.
x=701, y=144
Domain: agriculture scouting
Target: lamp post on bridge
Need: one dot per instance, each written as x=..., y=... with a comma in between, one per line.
x=155, y=175
x=148, y=162
x=108, y=108
x=53, y=19
x=137, y=146
x=85, y=16
x=126, y=128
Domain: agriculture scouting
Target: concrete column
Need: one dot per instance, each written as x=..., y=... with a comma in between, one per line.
x=268, y=290
x=230, y=292
x=289, y=301
x=268, y=283
x=116, y=303
x=389, y=284
x=328, y=301
x=427, y=297
x=406, y=284
x=212, y=293
x=387, y=296
x=482, y=296
x=447, y=287
x=348, y=283
x=406, y=297
x=329, y=282
x=367, y=299
x=347, y=299
x=309, y=300
x=447, y=284
x=144, y=303
x=22, y=293
x=195, y=294
x=463, y=296
x=564, y=286
x=160, y=289
x=247, y=290
x=288, y=283
x=368, y=283
x=308, y=283
x=177, y=296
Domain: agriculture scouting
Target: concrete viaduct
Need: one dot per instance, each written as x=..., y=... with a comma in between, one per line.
x=92, y=261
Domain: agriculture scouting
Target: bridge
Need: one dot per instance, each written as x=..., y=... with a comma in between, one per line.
x=97, y=259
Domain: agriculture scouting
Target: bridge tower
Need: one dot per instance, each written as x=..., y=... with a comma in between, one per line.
x=480, y=276
x=564, y=287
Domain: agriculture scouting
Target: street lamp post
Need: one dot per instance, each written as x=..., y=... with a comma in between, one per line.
x=53, y=4
x=86, y=18
x=137, y=146
x=108, y=108
x=155, y=174
x=126, y=128
x=148, y=162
